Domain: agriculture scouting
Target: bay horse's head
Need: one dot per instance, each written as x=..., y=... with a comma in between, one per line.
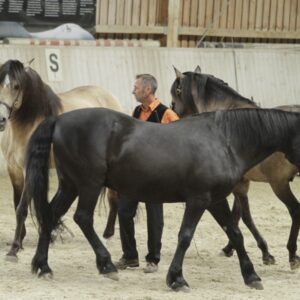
x=182, y=91
x=12, y=85
x=196, y=92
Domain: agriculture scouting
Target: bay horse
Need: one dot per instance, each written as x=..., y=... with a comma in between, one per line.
x=25, y=100
x=207, y=155
x=195, y=92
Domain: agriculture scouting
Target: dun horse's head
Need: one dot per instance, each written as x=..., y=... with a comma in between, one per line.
x=182, y=102
x=12, y=76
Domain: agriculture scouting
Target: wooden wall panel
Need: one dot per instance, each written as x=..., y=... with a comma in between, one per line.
x=205, y=20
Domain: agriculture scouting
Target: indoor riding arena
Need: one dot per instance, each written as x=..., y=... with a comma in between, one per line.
x=246, y=55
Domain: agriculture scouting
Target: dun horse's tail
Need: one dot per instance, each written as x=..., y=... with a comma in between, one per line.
x=37, y=172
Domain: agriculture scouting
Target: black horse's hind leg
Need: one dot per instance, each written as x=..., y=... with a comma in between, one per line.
x=192, y=214
x=113, y=199
x=21, y=215
x=241, y=208
x=84, y=217
x=60, y=204
x=284, y=193
x=221, y=212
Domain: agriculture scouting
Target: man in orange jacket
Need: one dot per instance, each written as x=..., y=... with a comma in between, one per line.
x=150, y=110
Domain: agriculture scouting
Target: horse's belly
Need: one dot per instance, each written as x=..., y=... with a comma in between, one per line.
x=255, y=174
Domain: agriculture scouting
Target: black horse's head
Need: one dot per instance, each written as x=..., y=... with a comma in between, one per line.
x=195, y=92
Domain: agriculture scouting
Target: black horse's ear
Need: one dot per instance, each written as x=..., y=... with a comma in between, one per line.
x=178, y=73
x=27, y=65
x=198, y=69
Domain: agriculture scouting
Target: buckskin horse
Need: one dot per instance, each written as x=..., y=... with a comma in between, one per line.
x=25, y=100
x=195, y=92
x=207, y=153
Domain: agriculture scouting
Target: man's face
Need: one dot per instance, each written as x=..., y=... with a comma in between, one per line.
x=140, y=91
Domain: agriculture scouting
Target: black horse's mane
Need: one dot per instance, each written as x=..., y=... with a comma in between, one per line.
x=38, y=98
x=255, y=126
x=209, y=89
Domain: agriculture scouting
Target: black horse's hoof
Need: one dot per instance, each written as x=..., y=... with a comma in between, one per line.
x=112, y=276
x=180, y=288
x=295, y=263
x=254, y=282
x=269, y=260
x=177, y=284
x=227, y=252
x=108, y=234
x=256, y=285
x=46, y=274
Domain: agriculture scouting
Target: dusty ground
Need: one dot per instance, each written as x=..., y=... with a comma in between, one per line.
x=210, y=276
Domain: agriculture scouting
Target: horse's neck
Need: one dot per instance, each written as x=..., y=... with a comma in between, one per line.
x=250, y=153
x=213, y=104
x=218, y=97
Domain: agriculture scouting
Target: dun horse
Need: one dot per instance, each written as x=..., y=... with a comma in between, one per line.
x=208, y=155
x=194, y=92
x=25, y=100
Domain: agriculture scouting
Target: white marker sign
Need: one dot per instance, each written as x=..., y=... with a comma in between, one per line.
x=54, y=65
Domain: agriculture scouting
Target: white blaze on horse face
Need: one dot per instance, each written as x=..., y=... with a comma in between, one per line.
x=6, y=98
x=6, y=81
x=9, y=91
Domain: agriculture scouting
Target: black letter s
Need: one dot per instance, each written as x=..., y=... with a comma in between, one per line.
x=53, y=59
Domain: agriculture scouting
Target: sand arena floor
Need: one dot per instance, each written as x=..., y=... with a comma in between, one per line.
x=210, y=276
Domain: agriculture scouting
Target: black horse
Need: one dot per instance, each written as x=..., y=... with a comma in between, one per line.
x=197, y=160
x=195, y=92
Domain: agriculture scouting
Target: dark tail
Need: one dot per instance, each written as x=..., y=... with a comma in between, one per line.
x=37, y=172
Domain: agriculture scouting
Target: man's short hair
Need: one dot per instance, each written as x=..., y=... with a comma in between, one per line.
x=148, y=80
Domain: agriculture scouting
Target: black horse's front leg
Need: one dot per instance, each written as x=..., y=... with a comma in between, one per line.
x=193, y=212
x=221, y=212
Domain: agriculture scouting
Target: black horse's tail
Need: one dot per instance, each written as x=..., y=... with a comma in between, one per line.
x=37, y=172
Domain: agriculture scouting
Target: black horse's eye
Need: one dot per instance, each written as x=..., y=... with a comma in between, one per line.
x=172, y=105
x=178, y=91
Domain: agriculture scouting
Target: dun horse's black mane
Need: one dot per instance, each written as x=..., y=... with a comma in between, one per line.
x=38, y=98
x=209, y=88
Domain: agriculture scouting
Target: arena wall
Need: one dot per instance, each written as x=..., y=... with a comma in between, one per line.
x=270, y=75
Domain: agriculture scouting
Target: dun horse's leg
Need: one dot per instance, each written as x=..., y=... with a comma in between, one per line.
x=236, y=214
x=21, y=214
x=17, y=181
x=60, y=204
x=284, y=193
x=241, y=208
x=113, y=199
x=84, y=217
x=192, y=214
x=221, y=212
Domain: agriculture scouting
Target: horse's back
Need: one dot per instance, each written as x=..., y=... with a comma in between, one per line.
x=89, y=96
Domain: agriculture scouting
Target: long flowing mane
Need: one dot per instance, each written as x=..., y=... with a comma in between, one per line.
x=270, y=125
x=38, y=98
x=205, y=88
